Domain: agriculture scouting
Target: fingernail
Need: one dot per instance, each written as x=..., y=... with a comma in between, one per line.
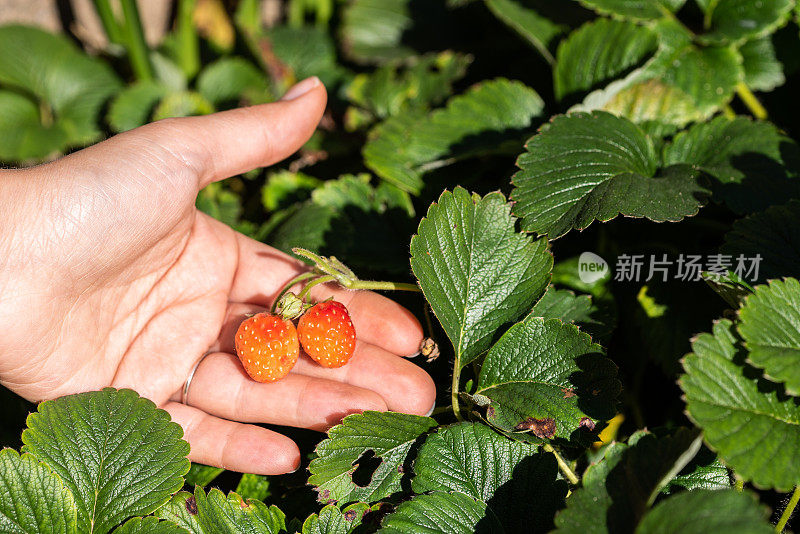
x=414, y=355
x=431, y=410
x=300, y=88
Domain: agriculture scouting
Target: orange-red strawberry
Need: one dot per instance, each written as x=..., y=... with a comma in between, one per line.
x=267, y=346
x=327, y=334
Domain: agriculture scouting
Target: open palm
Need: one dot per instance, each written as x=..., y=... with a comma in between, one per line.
x=112, y=277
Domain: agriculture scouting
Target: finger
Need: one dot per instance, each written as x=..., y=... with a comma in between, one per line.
x=262, y=271
x=223, y=144
x=222, y=388
x=404, y=386
x=234, y=446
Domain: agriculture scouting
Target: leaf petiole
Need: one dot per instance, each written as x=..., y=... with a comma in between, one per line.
x=321, y=280
x=789, y=510
x=454, y=390
x=750, y=100
x=563, y=466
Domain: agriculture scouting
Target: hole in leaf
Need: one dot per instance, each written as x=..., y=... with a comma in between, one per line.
x=366, y=464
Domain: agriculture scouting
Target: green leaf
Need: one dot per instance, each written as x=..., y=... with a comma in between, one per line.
x=306, y=226
x=350, y=218
x=658, y=108
x=372, y=30
x=592, y=499
x=617, y=492
x=216, y=513
x=584, y=167
x=133, y=105
x=32, y=498
x=182, y=104
x=182, y=510
x=737, y=20
x=571, y=308
x=254, y=487
x=548, y=378
x=705, y=471
x=222, y=204
x=708, y=75
x=517, y=483
x=284, y=186
x=384, y=436
x=118, y=454
x=22, y=135
x=442, y=513
x=412, y=85
x=703, y=511
x=475, y=270
x=634, y=9
x=749, y=421
x=202, y=475
x=231, y=79
x=598, y=52
x=762, y=69
x=65, y=80
x=752, y=163
x=730, y=286
x=307, y=51
x=331, y=520
x=539, y=31
x=149, y=525
x=770, y=327
x=774, y=236
x=403, y=148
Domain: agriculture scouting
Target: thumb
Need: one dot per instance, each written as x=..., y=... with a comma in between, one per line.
x=227, y=143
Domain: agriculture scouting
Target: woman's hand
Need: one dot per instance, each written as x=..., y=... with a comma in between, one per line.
x=109, y=276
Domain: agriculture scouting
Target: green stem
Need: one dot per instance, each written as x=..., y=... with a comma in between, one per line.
x=750, y=100
x=454, y=390
x=321, y=280
x=568, y=473
x=712, y=5
x=319, y=261
x=383, y=286
x=728, y=111
x=788, y=511
x=109, y=21
x=134, y=41
x=291, y=284
x=248, y=16
x=186, y=36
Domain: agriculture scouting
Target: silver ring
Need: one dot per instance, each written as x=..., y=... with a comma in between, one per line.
x=185, y=391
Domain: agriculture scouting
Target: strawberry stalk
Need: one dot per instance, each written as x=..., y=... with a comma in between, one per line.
x=346, y=278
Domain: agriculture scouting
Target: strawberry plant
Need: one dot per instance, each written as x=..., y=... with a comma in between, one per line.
x=591, y=205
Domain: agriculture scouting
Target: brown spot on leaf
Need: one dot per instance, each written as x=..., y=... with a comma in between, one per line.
x=541, y=428
x=350, y=515
x=595, y=392
x=568, y=392
x=243, y=505
x=401, y=469
x=587, y=423
x=191, y=505
x=490, y=412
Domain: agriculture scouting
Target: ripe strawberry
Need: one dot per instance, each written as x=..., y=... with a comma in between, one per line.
x=327, y=334
x=267, y=346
